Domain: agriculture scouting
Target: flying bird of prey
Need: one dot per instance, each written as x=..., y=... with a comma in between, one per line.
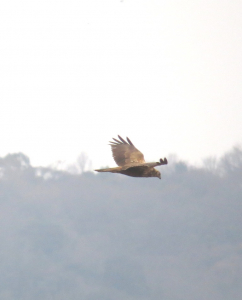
x=131, y=161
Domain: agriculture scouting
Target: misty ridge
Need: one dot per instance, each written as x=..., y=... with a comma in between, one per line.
x=73, y=234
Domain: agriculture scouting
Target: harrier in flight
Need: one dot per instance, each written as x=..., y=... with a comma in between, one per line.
x=131, y=161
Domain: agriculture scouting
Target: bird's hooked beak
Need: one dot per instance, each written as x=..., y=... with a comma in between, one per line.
x=159, y=176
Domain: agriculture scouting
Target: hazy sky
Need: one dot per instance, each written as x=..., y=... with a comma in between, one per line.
x=74, y=74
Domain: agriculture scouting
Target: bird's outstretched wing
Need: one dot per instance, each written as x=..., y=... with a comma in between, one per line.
x=149, y=165
x=125, y=153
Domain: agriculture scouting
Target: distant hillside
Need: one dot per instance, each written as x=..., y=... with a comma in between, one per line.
x=110, y=237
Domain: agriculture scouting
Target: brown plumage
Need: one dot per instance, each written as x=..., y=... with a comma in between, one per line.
x=131, y=161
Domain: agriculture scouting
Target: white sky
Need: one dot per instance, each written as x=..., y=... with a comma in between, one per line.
x=74, y=74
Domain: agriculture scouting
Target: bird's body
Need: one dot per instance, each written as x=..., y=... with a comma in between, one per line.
x=131, y=161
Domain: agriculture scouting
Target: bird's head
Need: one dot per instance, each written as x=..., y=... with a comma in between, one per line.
x=156, y=173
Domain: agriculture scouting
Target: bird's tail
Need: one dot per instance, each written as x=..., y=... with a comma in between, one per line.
x=112, y=170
